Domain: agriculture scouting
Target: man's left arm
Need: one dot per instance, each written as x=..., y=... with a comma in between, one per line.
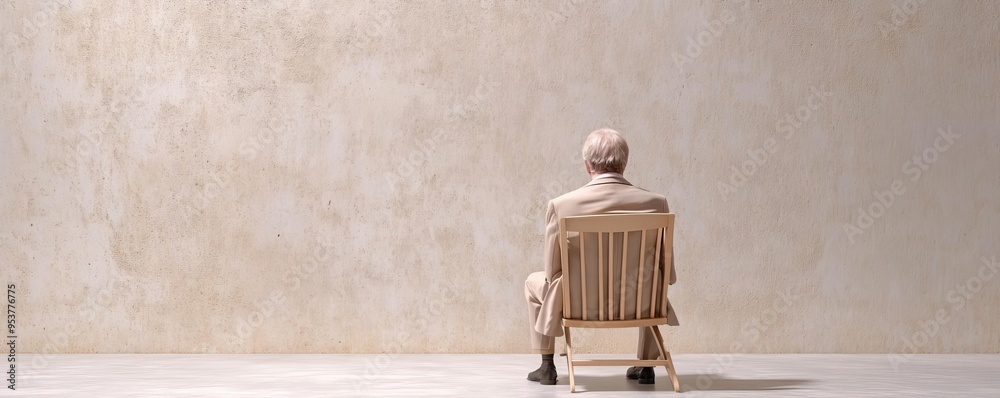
x=553, y=254
x=673, y=268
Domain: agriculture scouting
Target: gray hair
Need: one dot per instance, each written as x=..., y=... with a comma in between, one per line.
x=606, y=151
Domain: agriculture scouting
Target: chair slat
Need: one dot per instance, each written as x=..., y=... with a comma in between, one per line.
x=583, y=277
x=642, y=263
x=624, y=269
x=611, y=276
x=653, y=301
x=600, y=275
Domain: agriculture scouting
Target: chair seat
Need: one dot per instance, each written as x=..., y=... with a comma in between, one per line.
x=576, y=323
x=620, y=362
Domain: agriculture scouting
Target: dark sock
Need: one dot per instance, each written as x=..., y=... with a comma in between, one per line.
x=547, y=359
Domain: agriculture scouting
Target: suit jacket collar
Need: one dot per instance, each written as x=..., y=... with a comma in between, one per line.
x=613, y=179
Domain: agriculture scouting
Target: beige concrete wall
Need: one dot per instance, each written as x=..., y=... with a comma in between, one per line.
x=298, y=176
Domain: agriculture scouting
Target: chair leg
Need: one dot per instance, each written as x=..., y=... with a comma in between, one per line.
x=569, y=360
x=666, y=356
x=673, y=374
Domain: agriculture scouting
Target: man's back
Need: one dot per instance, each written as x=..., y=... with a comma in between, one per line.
x=606, y=194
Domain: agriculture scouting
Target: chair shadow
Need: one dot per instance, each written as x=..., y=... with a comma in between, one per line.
x=721, y=383
x=687, y=382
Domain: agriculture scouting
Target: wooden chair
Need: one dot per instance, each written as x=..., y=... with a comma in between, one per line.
x=609, y=229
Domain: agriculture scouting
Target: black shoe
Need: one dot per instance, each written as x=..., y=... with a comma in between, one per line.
x=645, y=375
x=545, y=374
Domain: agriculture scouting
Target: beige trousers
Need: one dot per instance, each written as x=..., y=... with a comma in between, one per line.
x=536, y=291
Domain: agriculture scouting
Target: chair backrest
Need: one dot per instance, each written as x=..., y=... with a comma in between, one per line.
x=629, y=280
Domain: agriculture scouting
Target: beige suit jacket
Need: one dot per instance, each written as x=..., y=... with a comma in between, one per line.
x=601, y=195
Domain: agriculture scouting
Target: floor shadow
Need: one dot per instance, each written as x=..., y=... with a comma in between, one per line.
x=687, y=382
x=721, y=383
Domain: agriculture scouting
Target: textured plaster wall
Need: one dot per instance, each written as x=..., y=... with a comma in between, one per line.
x=347, y=177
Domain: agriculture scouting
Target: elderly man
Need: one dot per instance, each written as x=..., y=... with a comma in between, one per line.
x=605, y=154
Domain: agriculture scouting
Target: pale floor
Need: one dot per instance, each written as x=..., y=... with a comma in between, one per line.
x=775, y=375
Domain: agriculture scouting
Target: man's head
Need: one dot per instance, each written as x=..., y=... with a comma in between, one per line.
x=605, y=151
